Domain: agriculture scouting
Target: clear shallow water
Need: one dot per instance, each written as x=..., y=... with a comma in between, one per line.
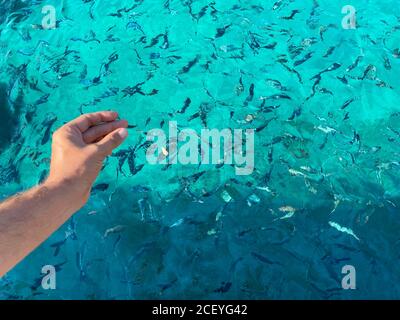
x=328, y=157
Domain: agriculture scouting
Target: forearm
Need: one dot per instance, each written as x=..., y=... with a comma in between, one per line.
x=28, y=219
x=78, y=151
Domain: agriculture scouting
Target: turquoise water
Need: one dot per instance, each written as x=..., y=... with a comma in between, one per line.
x=325, y=189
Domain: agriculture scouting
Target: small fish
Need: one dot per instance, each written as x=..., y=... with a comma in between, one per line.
x=292, y=15
x=369, y=73
x=276, y=84
x=110, y=38
x=278, y=96
x=154, y=41
x=101, y=187
x=165, y=44
x=343, y=229
x=177, y=223
x=250, y=96
x=347, y=103
x=288, y=208
x=116, y=229
x=329, y=52
x=134, y=90
x=326, y=129
x=57, y=246
x=224, y=287
x=354, y=64
x=84, y=72
x=185, y=106
x=343, y=79
x=332, y=67
x=112, y=58
x=43, y=176
x=191, y=63
x=48, y=124
x=111, y=92
x=50, y=85
x=201, y=13
x=43, y=99
x=261, y=258
x=301, y=61
x=296, y=113
x=135, y=170
x=164, y=287
x=277, y=5
x=325, y=91
x=155, y=55
x=262, y=127
x=135, y=26
x=221, y=31
x=282, y=62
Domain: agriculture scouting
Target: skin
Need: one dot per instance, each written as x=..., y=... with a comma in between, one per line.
x=78, y=152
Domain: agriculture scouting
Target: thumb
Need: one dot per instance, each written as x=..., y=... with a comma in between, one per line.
x=112, y=141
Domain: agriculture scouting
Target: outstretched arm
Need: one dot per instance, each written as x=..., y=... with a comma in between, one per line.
x=78, y=151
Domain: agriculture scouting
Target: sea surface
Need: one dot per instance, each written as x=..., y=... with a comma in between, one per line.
x=324, y=100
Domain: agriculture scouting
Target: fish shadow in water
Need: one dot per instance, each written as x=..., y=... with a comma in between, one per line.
x=9, y=117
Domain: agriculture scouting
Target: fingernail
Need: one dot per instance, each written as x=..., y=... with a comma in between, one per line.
x=123, y=133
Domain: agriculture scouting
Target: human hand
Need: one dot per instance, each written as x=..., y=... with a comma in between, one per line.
x=79, y=149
